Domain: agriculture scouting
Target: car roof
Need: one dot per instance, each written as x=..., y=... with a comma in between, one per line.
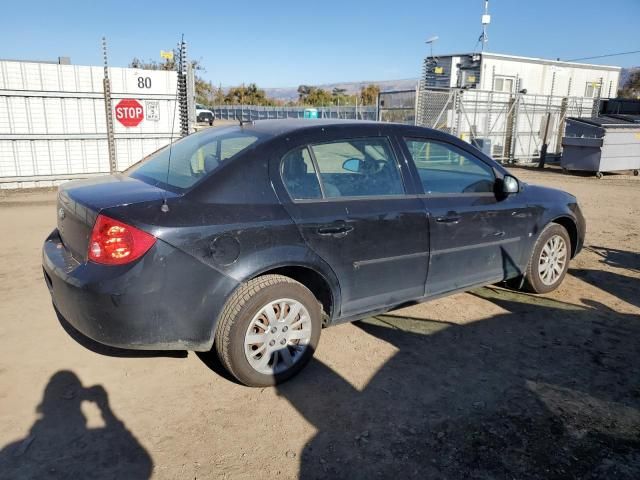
x=286, y=126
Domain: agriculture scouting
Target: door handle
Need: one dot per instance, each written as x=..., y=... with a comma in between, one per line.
x=336, y=231
x=448, y=219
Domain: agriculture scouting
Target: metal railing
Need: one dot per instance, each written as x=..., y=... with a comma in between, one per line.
x=397, y=106
x=509, y=127
x=256, y=112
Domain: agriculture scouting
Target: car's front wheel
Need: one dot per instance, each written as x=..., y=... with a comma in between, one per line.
x=268, y=330
x=549, y=260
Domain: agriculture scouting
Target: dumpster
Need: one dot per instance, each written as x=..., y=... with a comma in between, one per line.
x=606, y=143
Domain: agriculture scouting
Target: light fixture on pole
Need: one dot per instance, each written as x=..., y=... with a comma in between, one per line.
x=430, y=41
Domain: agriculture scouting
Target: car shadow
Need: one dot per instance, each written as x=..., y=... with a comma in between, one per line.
x=212, y=362
x=624, y=287
x=60, y=443
x=546, y=389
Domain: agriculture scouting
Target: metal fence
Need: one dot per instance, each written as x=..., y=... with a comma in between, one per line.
x=254, y=112
x=509, y=127
x=54, y=123
x=397, y=106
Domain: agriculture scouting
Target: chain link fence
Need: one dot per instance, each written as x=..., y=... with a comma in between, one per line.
x=249, y=113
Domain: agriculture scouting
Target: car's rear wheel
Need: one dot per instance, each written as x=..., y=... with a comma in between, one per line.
x=549, y=260
x=268, y=330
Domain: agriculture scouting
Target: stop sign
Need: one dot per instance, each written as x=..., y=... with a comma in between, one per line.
x=129, y=112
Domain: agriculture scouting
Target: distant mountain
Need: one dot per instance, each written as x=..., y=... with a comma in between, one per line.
x=291, y=93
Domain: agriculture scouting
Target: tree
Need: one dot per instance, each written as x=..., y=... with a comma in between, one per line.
x=369, y=94
x=247, y=95
x=314, y=96
x=339, y=92
x=631, y=88
x=204, y=91
x=218, y=96
x=303, y=93
x=340, y=96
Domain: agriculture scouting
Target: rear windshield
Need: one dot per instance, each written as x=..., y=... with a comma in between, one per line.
x=192, y=158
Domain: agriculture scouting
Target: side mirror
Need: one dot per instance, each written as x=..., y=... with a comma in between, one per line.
x=510, y=185
x=352, y=165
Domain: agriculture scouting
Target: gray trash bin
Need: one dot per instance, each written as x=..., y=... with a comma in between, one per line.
x=602, y=144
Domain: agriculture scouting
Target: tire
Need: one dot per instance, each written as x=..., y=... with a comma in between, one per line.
x=535, y=281
x=598, y=175
x=635, y=173
x=246, y=317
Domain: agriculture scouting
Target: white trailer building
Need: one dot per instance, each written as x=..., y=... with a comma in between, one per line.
x=511, y=74
x=507, y=105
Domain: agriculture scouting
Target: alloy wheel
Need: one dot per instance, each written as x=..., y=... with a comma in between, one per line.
x=553, y=259
x=277, y=336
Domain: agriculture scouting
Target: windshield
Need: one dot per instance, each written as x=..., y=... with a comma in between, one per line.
x=192, y=158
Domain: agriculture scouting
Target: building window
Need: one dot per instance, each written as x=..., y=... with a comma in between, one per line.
x=592, y=90
x=503, y=84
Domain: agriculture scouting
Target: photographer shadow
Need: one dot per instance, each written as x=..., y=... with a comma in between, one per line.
x=61, y=445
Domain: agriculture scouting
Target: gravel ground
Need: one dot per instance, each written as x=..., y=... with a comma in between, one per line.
x=486, y=384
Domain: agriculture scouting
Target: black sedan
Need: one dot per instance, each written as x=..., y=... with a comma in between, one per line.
x=248, y=240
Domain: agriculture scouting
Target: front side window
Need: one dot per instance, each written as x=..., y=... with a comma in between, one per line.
x=192, y=158
x=444, y=168
x=358, y=168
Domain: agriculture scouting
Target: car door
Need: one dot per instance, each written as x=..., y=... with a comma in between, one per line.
x=348, y=199
x=476, y=235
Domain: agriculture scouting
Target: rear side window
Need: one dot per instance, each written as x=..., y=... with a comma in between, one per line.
x=357, y=168
x=192, y=158
x=444, y=168
x=299, y=175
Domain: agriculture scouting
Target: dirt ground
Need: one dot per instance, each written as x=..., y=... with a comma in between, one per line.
x=486, y=384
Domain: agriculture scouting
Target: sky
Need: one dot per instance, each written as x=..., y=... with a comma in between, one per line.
x=288, y=43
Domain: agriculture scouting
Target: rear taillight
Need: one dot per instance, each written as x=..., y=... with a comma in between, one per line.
x=116, y=243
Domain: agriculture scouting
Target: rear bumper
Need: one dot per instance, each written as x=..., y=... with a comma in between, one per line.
x=167, y=300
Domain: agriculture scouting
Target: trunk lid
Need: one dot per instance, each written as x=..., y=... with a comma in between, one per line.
x=80, y=202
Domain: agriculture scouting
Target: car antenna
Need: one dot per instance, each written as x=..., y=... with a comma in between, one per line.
x=164, y=208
